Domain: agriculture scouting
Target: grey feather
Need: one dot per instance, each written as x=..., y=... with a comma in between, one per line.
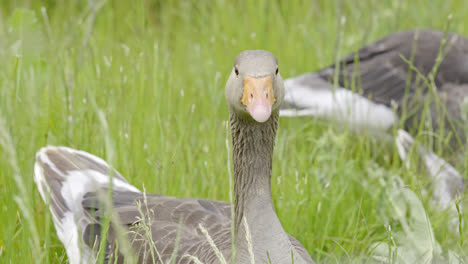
x=384, y=77
x=446, y=182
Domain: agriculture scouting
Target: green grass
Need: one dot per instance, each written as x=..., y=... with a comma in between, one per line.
x=157, y=72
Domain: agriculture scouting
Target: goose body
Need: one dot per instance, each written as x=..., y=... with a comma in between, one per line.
x=381, y=89
x=446, y=182
x=160, y=229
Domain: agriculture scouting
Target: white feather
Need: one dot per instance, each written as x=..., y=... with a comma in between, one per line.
x=343, y=105
x=40, y=181
x=446, y=181
x=80, y=182
x=75, y=184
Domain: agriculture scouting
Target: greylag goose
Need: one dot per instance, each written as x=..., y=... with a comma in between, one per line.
x=383, y=82
x=446, y=181
x=162, y=229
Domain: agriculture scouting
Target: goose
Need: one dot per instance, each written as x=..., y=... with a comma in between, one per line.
x=184, y=230
x=446, y=182
x=380, y=89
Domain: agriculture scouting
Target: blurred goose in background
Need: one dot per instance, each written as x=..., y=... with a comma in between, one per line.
x=446, y=181
x=162, y=229
x=377, y=87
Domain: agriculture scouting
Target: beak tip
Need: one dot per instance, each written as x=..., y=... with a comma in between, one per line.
x=260, y=113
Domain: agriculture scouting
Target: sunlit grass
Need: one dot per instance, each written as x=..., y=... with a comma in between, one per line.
x=157, y=71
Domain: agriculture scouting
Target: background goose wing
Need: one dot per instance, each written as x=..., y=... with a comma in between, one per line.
x=383, y=75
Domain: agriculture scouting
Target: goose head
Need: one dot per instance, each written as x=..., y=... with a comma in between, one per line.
x=255, y=88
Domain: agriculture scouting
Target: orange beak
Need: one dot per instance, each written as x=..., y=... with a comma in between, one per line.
x=258, y=97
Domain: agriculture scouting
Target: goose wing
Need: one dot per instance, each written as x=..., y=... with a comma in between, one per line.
x=76, y=185
x=383, y=73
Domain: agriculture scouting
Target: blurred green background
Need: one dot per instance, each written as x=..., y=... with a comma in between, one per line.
x=141, y=83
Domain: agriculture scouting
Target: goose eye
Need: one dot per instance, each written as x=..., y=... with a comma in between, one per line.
x=236, y=70
x=277, y=70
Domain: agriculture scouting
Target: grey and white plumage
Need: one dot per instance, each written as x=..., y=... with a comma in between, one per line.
x=76, y=183
x=446, y=181
x=380, y=90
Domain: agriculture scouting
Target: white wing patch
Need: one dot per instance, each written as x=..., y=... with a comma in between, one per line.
x=80, y=182
x=40, y=181
x=342, y=105
x=67, y=231
x=74, y=185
